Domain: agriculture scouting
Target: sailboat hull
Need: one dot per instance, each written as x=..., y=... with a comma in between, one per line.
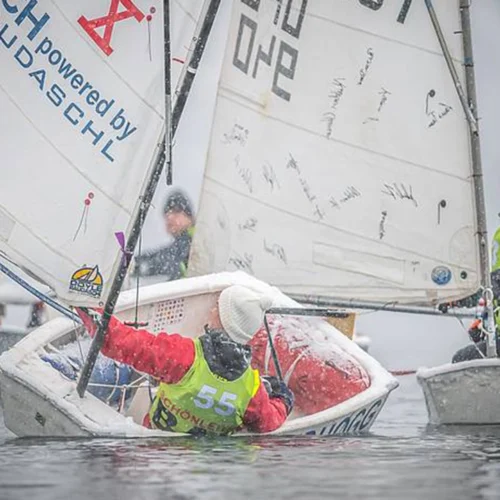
x=40, y=401
x=462, y=393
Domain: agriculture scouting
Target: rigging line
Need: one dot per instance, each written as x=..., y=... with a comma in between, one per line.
x=136, y=317
x=460, y=320
x=5, y=257
x=44, y=298
x=149, y=42
x=471, y=119
x=402, y=372
x=125, y=387
x=186, y=11
x=168, y=96
x=78, y=342
x=188, y=74
x=80, y=347
x=167, y=144
x=79, y=225
x=273, y=350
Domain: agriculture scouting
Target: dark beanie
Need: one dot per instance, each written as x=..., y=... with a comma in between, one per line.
x=178, y=202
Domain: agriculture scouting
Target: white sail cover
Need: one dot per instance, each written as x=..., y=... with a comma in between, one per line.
x=82, y=100
x=340, y=162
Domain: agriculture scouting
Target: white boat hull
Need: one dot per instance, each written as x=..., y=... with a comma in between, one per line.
x=39, y=401
x=462, y=393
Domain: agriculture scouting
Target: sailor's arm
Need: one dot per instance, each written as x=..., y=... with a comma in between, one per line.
x=267, y=411
x=166, y=357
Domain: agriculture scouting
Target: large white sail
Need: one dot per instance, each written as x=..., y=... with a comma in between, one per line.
x=82, y=100
x=340, y=162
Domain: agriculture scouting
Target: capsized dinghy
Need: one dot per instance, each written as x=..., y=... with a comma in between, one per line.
x=39, y=400
x=80, y=239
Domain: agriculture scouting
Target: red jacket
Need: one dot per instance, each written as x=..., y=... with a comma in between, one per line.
x=169, y=357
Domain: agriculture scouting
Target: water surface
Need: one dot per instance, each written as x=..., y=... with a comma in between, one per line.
x=401, y=458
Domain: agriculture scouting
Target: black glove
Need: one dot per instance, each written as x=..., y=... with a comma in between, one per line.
x=277, y=389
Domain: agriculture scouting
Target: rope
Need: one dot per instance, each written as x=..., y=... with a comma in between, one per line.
x=39, y=295
x=137, y=286
x=132, y=385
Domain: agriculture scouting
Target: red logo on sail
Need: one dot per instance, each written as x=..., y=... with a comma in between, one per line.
x=108, y=23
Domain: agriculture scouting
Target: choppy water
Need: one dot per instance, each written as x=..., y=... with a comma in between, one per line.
x=401, y=459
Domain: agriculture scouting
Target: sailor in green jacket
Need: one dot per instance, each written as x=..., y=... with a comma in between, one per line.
x=171, y=261
x=207, y=385
x=476, y=332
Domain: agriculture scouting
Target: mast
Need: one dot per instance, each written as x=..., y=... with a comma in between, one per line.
x=162, y=154
x=482, y=233
x=168, y=93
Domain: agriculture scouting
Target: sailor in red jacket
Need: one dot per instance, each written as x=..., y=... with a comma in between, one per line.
x=207, y=385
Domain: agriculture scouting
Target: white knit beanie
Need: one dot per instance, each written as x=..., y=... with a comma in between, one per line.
x=241, y=312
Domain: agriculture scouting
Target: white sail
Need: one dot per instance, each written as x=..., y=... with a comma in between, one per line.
x=339, y=162
x=82, y=100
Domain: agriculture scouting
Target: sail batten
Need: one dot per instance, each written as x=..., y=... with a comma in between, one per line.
x=340, y=160
x=245, y=102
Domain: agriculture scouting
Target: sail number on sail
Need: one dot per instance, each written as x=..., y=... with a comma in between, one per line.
x=280, y=53
x=248, y=60
x=376, y=4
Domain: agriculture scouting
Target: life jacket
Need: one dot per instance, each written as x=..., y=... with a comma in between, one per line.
x=203, y=402
x=495, y=276
x=495, y=251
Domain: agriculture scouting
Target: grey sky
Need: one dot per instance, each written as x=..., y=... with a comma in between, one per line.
x=486, y=37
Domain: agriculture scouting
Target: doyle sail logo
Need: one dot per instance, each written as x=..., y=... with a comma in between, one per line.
x=87, y=281
x=108, y=23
